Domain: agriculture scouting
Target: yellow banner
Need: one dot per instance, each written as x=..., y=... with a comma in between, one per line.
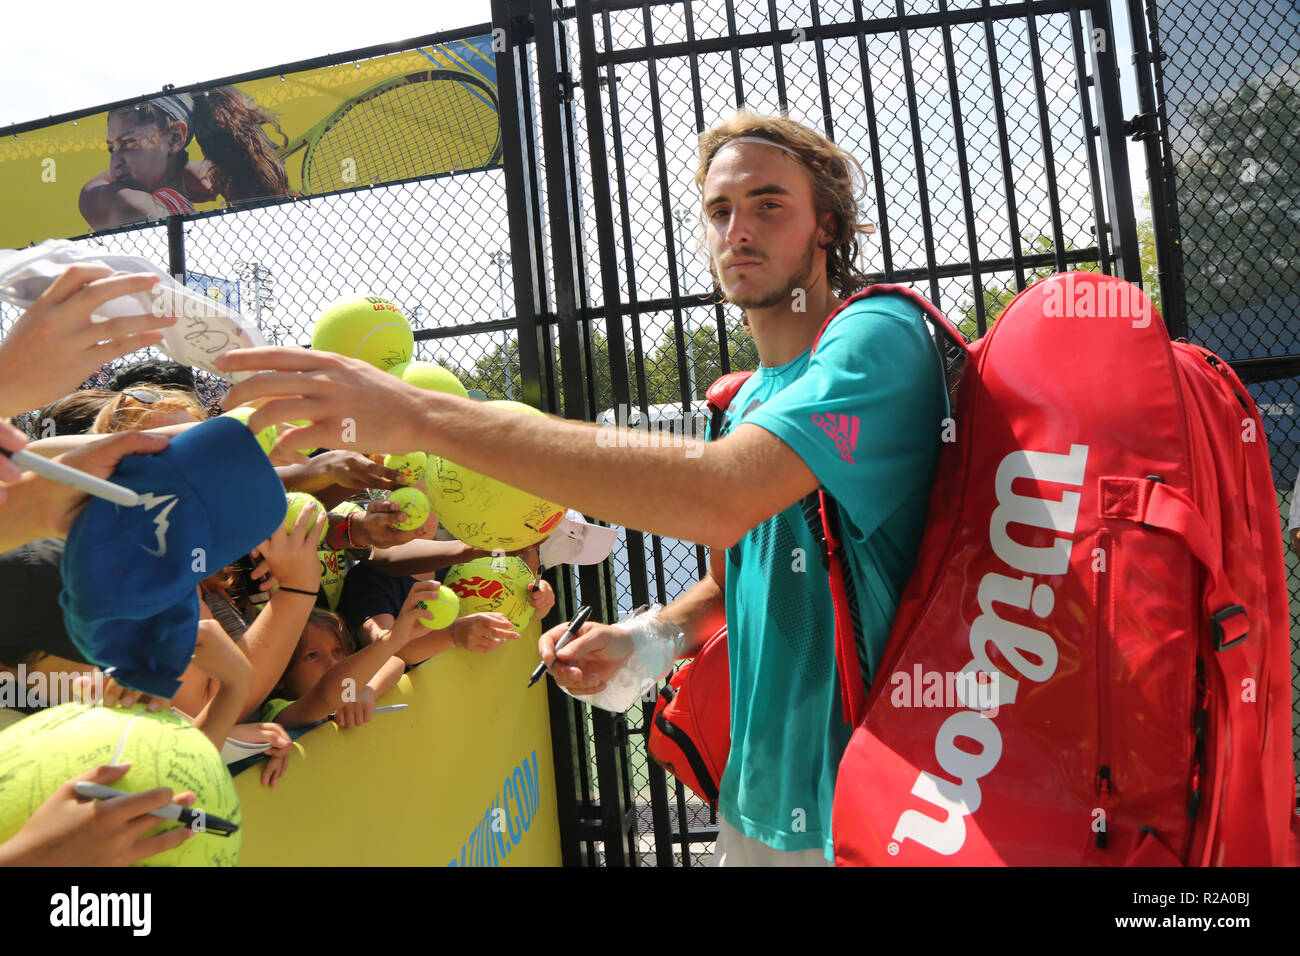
x=406, y=115
x=463, y=777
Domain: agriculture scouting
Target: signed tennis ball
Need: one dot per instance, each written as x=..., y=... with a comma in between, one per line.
x=296, y=501
x=443, y=608
x=368, y=327
x=41, y=752
x=265, y=438
x=411, y=467
x=486, y=513
x=414, y=505
x=432, y=377
x=497, y=584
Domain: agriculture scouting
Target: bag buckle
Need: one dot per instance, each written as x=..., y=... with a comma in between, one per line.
x=1216, y=626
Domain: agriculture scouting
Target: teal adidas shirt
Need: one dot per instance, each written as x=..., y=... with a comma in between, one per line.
x=864, y=413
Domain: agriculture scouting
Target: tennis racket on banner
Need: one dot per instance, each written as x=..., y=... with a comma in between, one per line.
x=418, y=124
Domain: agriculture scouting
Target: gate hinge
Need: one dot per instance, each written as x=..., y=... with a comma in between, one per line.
x=567, y=85
x=1142, y=126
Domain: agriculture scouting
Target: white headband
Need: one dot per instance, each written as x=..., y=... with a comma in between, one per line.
x=762, y=141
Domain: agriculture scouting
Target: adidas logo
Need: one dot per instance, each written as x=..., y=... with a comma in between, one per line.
x=843, y=430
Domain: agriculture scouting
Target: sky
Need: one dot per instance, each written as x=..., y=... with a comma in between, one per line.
x=79, y=56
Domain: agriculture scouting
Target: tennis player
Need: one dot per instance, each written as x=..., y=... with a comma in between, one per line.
x=860, y=417
x=150, y=175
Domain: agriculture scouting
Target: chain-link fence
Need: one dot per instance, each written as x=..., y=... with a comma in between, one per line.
x=1229, y=79
x=983, y=134
x=994, y=151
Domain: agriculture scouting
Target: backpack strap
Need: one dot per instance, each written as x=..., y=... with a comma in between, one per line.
x=1153, y=503
x=850, y=644
x=819, y=509
x=719, y=398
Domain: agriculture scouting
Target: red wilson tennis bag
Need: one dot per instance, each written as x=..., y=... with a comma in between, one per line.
x=1091, y=661
x=690, y=735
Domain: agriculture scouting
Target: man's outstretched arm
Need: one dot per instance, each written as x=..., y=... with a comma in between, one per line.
x=707, y=492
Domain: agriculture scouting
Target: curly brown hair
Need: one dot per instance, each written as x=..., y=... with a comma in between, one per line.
x=227, y=125
x=839, y=182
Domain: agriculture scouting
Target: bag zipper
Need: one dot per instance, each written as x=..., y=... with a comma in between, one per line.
x=1104, y=636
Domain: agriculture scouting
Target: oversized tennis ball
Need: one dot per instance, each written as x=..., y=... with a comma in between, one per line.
x=415, y=508
x=349, y=508
x=443, y=608
x=41, y=752
x=430, y=376
x=486, y=513
x=412, y=467
x=368, y=327
x=497, y=584
x=265, y=438
x=296, y=501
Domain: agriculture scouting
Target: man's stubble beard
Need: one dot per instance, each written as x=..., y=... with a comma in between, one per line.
x=798, y=281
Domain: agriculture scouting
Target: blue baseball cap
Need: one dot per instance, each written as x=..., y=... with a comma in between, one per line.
x=130, y=574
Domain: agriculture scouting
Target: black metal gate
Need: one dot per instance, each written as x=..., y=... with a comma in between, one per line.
x=994, y=140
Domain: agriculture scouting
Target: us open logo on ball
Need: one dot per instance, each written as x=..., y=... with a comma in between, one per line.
x=498, y=584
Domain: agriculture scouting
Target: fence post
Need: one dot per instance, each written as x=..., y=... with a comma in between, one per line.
x=1119, y=190
x=176, y=248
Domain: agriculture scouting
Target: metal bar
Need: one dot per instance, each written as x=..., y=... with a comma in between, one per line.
x=629, y=266
x=731, y=43
x=946, y=271
x=684, y=370
x=697, y=99
x=665, y=203
x=612, y=312
x=873, y=139
x=823, y=82
x=562, y=207
x=1268, y=369
x=1049, y=158
x=529, y=277
x=918, y=153
x=523, y=208
x=176, y=248
x=783, y=101
x=605, y=7
x=509, y=323
x=959, y=134
x=1119, y=192
x=1082, y=81
x=634, y=539
x=1004, y=144
x=916, y=21
x=249, y=204
x=1160, y=172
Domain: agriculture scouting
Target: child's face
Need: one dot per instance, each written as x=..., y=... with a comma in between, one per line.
x=318, y=650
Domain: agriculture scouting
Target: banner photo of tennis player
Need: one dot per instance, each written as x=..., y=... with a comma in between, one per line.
x=408, y=115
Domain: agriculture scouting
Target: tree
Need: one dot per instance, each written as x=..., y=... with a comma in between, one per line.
x=661, y=373
x=998, y=294
x=662, y=376
x=1239, y=196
